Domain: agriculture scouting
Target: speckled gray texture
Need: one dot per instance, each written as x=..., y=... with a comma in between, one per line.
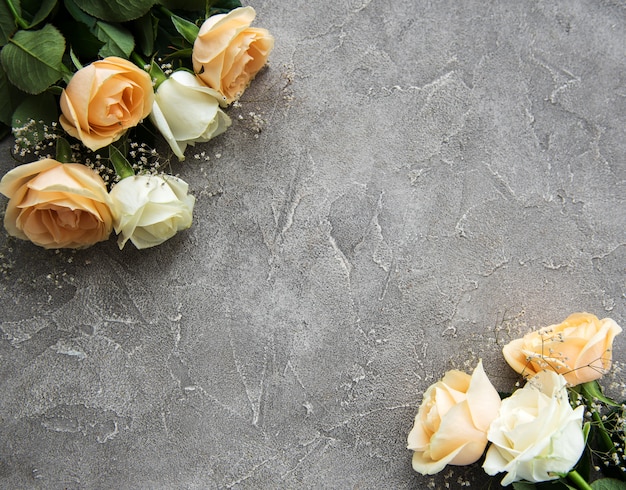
x=419, y=183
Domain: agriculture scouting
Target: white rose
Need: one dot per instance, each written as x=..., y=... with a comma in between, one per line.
x=187, y=112
x=537, y=435
x=150, y=209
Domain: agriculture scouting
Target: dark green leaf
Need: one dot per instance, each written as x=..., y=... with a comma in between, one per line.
x=36, y=11
x=117, y=40
x=5, y=130
x=55, y=90
x=560, y=484
x=81, y=34
x=145, y=29
x=583, y=467
x=223, y=6
x=608, y=484
x=117, y=10
x=9, y=98
x=7, y=24
x=33, y=59
x=522, y=485
x=181, y=53
x=33, y=118
x=201, y=5
x=83, y=42
x=187, y=29
x=64, y=151
x=226, y=4
x=79, y=15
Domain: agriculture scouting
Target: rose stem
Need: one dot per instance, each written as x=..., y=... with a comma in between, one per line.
x=578, y=480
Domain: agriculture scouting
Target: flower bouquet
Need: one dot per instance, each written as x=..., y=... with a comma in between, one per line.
x=87, y=87
x=557, y=431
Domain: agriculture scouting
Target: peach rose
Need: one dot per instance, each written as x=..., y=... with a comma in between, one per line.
x=56, y=205
x=579, y=349
x=104, y=99
x=228, y=53
x=452, y=422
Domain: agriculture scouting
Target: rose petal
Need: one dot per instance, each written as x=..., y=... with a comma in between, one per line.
x=456, y=431
x=482, y=398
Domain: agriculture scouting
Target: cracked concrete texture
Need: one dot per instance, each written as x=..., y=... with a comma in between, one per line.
x=418, y=184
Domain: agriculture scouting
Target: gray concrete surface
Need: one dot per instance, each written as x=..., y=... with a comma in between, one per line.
x=419, y=182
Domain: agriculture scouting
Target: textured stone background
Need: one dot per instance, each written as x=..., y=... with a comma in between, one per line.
x=418, y=183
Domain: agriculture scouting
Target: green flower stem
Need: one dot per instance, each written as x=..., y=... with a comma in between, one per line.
x=21, y=23
x=166, y=11
x=138, y=60
x=578, y=480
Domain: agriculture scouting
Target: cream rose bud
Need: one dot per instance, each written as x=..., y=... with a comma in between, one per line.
x=579, y=348
x=187, y=112
x=452, y=422
x=56, y=205
x=538, y=435
x=228, y=53
x=104, y=99
x=150, y=209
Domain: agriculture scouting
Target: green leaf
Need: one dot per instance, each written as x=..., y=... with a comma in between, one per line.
x=117, y=40
x=584, y=465
x=187, y=29
x=116, y=10
x=145, y=29
x=201, y=5
x=33, y=118
x=559, y=484
x=181, y=53
x=83, y=42
x=5, y=130
x=223, y=6
x=608, y=484
x=522, y=485
x=33, y=60
x=226, y=4
x=75, y=61
x=7, y=24
x=9, y=98
x=36, y=11
x=592, y=389
x=55, y=90
x=79, y=15
x=156, y=74
x=64, y=151
x=81, y=34
x=122, y=166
